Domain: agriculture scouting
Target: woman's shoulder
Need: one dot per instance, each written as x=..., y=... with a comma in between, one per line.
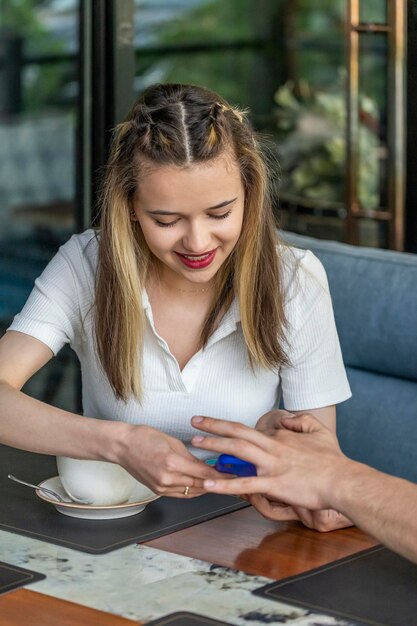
x=301, y=267
x=76, y=261
x=81, y=241
x=81, y=248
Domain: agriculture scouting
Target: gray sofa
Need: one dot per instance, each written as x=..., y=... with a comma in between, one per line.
x=374, y=295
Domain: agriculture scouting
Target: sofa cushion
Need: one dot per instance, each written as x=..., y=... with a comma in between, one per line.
x=378, y=424
x=374, y=295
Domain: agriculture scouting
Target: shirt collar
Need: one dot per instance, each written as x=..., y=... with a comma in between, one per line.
x=227, y=325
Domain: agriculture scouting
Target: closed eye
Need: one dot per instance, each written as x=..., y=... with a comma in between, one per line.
x=166, y=224
x=221, y=217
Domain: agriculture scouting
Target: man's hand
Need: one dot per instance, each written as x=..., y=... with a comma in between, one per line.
x=297, y=465
x=322, y=520
x=272, y=421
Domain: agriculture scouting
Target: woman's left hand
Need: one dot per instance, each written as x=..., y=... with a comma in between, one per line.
x=323, y=520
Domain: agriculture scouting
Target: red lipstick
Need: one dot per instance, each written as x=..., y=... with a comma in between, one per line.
x=197, y=261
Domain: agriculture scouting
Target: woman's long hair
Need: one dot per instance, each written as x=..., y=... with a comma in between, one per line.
x=182, y=125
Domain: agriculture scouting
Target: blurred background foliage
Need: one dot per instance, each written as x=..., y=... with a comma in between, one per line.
x=284, y=60
x=256, y=53
x=44, y=84
x=312, y=142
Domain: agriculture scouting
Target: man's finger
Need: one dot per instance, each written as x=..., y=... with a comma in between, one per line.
x=239, y=448
x=272, y=420
x=237, y=486
x=221, y=427
x=303, y=423
x=234, y=430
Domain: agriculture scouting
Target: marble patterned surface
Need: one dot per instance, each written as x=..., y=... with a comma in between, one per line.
x=143, y=583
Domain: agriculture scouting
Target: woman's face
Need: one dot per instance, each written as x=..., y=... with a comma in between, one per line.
x=191, y=217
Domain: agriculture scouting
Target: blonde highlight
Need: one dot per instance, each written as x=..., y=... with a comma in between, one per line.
x=181, y=125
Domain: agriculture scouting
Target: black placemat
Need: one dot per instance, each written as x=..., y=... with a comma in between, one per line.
x=183, y=618
x=13, y=577
x=22, y=512
x=374, y=586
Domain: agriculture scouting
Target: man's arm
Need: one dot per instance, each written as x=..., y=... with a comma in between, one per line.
x=303, y=466
x=382, y=505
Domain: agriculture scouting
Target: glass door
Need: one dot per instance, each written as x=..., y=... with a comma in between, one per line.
x=341, y=120
x=323, y=78
x=376, y=128
x=39, y=117
x=66, y=79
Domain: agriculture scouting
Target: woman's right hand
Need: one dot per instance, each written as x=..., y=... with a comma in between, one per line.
x=163, y=463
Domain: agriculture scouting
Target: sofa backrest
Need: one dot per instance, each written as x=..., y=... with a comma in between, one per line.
x=374, y=295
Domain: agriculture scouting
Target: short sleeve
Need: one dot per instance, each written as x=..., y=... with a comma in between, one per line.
x=52, y=312
x=316, y=376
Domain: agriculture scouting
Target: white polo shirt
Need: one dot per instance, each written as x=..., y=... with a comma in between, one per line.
x=217, y=381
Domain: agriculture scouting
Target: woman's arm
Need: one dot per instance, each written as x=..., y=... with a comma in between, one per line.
x=160, y=461
x=30, y=424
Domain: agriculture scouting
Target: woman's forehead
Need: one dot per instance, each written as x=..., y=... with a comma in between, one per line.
x=207, y=181
x=226, y=160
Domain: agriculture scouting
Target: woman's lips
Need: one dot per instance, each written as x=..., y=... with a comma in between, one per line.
x=197, y=261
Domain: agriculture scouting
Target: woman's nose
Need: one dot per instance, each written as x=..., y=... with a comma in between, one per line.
x=196, y=239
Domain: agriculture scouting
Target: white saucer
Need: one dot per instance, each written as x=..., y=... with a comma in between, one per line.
x=136, y=503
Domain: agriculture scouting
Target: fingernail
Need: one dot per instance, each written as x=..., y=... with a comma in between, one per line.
x=209, y=483
x=197, y=439
x=197, y=419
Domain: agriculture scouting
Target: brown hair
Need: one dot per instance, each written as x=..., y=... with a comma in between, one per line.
x=173, y=124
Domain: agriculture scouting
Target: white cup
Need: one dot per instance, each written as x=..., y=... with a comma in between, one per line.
x=97, y=482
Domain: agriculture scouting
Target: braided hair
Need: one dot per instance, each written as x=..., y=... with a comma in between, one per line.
x=181, y=125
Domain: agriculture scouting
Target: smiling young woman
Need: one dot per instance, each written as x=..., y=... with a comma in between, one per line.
x=183, y=150
x=183, y=302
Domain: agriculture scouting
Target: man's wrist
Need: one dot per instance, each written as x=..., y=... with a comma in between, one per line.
x=346, y=484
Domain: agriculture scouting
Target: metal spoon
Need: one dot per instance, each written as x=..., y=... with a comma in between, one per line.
x=49, y=491
x=52, y=493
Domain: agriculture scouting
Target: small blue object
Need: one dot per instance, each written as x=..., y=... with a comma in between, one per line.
x=229, y=464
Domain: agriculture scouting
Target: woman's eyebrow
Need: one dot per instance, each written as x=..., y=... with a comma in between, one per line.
x=210, y=208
